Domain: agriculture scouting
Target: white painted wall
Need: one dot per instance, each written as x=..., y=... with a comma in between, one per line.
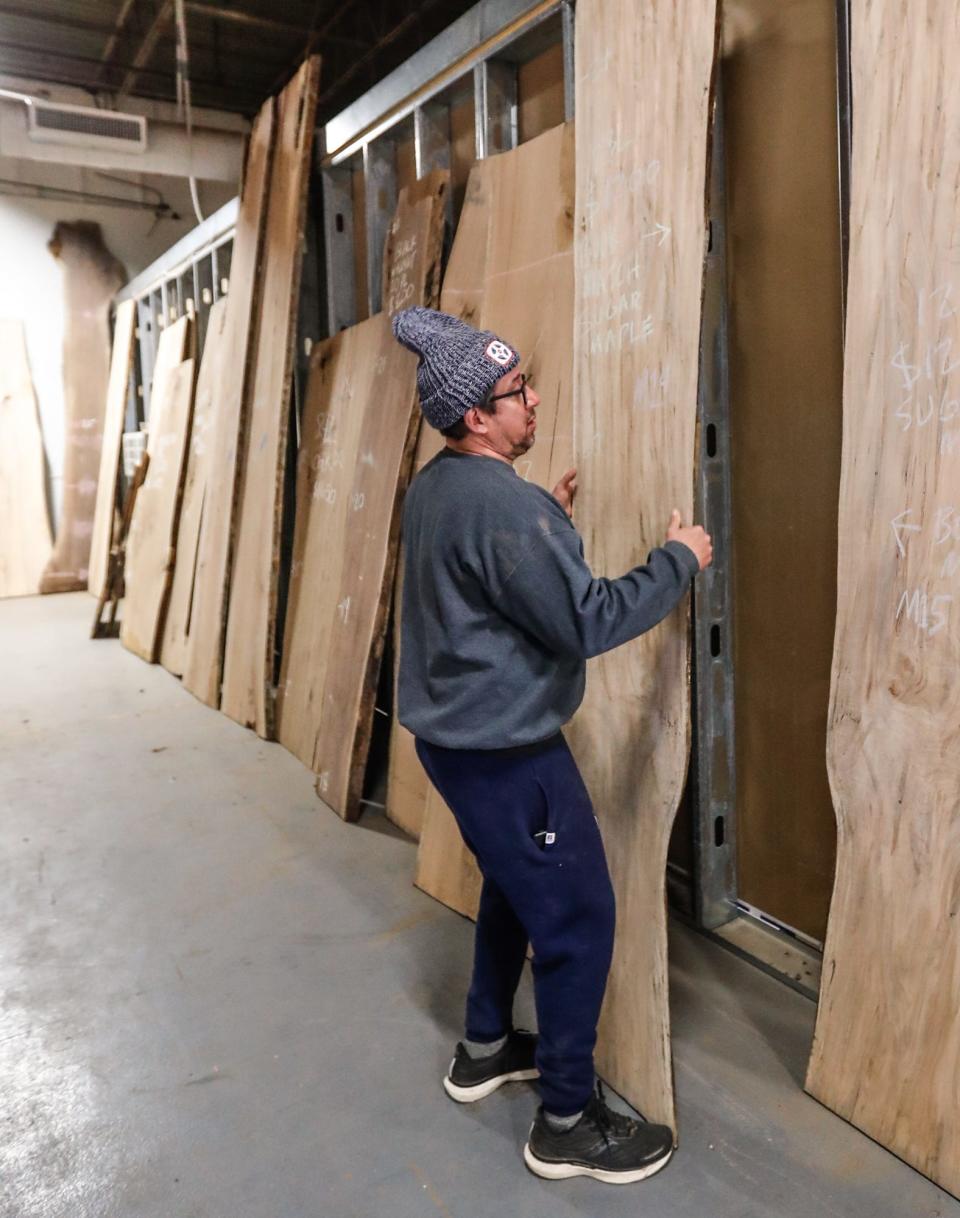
x=31, y=280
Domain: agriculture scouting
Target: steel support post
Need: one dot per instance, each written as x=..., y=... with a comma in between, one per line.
x=380, y=200
x=338, y=248
x=714, y=879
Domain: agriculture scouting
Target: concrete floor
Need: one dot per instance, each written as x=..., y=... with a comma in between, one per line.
x=219, y=1001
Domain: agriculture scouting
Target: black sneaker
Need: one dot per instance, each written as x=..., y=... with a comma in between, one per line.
x=603, y=1144
x=470, y=1079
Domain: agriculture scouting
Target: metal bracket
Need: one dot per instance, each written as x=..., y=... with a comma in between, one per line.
x=338, y=248
x=714, y=836
x=380, y=200
x=495, y=107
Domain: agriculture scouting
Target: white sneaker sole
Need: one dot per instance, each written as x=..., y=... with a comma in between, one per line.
x=566, y=1171
x=468, y=1095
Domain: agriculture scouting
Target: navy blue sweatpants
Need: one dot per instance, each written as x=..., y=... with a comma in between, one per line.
x=526, y=816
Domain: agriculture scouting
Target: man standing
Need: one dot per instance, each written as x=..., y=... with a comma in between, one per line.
x=500, y=613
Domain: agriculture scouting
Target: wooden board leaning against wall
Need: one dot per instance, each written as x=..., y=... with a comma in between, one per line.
x=91, y=276
x=643, y=110
x=510, y=271
x=148, y=566
x=786, y=354
x=886, y=1053
x=200, y=455
x=359, y=427
x=248, y=669
x=25, y=539
x=105, y=512
x=202, y=661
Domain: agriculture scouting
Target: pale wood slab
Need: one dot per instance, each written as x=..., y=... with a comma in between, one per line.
x=886, y=1053
x=200, y=455
x=248, y=695
x=25, y=539
x=202, y=662
x=408, y=788
x=105, y=516
x=359, y=428
x=149, y=548
x=91, y=277
x=643, y=105
x=511, y=271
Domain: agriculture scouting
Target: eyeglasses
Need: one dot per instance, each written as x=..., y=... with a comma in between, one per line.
x=521, y=389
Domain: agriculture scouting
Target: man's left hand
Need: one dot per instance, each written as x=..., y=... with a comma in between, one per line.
x=565, y=491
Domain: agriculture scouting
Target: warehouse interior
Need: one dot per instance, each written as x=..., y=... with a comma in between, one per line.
x=239, y=916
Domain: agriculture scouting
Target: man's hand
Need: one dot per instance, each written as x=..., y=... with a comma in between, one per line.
x=565, y=491
x=693, y=536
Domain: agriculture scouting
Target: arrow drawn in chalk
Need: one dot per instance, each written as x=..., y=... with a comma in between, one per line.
x=662, y=231
x=901, y=526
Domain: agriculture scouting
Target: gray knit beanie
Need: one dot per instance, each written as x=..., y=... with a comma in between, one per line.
x=459, y=365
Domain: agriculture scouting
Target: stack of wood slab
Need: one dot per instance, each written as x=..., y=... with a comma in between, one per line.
x=359, y=428
x=249, y=659
x=886, y=1053
x=105, y=516
x=151, y=542
x=25, y=540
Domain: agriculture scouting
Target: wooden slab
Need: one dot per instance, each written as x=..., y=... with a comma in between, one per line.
x=105, y=515
x=200, y=456
x=359, y=428
x=514, y=246
x=886, y=1053
x=202, y=663
x=91, y=278
x=248, y=671
x=643, y=92
x=148, y=565
x=25, y=540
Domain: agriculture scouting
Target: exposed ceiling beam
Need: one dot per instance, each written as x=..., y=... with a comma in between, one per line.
x=113, y=40
x=284, y=29
x=145, y=50
x=314, y=38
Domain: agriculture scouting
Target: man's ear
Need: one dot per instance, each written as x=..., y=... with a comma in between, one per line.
x=474, y=421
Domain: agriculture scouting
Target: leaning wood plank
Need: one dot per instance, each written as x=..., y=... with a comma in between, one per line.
x=359, y=429
x=213, y=368
x=408, y=787
x=643, y=92
x=25, y=540
x=203, y=659
x=91, y=278
x=248, y=695
x=520, y=215
x=152, y=526
x=105, y=511
x=886, y=1053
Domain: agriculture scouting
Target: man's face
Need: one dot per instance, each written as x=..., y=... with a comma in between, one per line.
x=511, y=431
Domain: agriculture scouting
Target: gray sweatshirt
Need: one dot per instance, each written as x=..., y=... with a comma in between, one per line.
x=500, y=610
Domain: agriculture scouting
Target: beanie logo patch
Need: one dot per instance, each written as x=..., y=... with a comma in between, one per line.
x=499, y=352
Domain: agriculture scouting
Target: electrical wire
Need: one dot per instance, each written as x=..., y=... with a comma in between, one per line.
x=183, y=97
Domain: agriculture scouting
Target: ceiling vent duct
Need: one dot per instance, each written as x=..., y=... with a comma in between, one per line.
x=86, y=127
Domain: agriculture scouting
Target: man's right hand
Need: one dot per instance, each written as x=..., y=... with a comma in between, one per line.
x=692, y=536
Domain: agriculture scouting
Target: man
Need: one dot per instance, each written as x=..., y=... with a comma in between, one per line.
x=500, y=613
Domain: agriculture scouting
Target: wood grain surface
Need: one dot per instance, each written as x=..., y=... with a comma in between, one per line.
x=203, y=659
x=886, y=1053
x=248, y=695
x=644, y=78
x=201, y=455
x=359, y=428
x=148, y=570
x=91, y=277
x=512, y=254
x=25, y=539
x=105, y=516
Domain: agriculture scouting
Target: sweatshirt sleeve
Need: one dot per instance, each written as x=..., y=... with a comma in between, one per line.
x=552, y=594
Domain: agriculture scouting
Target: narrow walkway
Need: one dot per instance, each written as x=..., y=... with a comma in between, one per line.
x=219, y=1001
